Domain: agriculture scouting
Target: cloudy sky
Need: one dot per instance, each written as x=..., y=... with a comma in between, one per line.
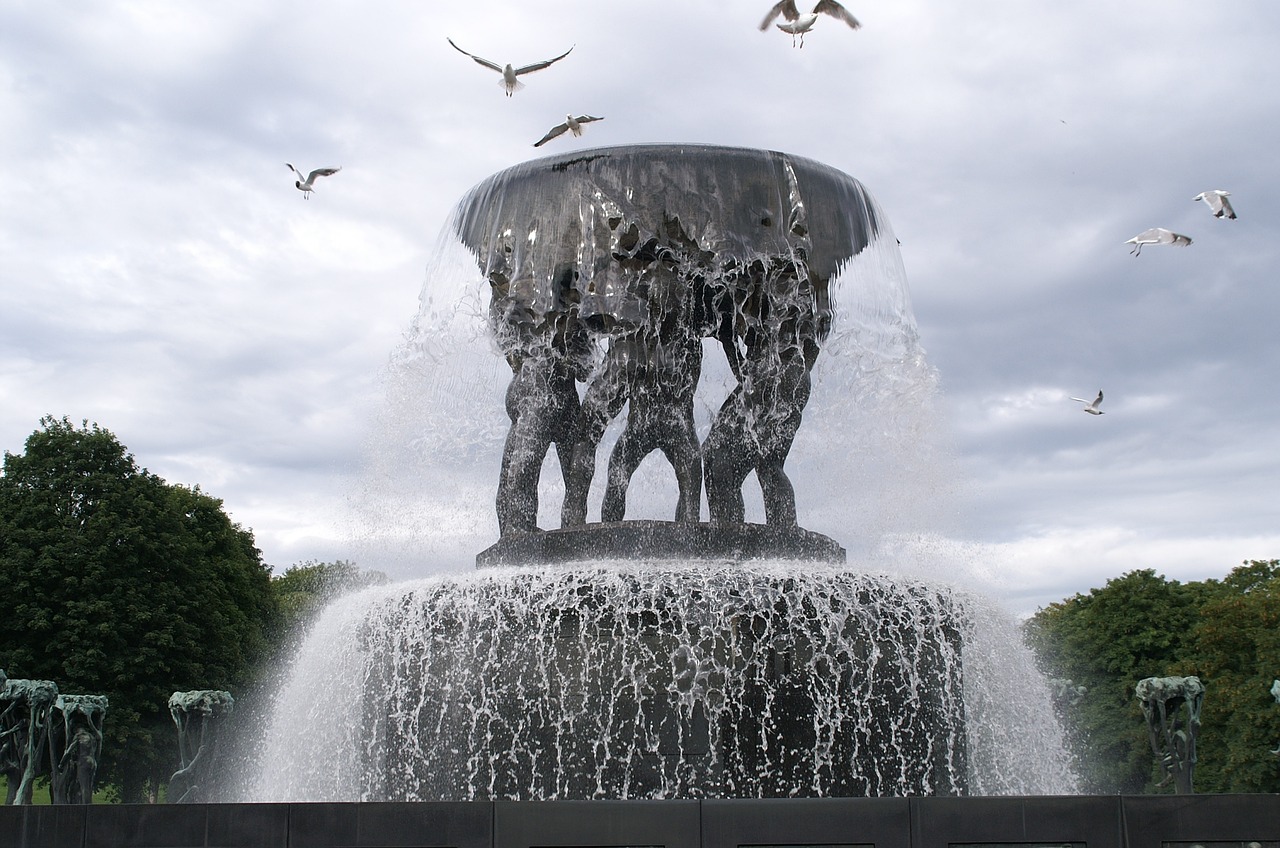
x=160, y=275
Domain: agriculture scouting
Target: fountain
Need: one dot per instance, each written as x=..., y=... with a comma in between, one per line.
x=711, y=293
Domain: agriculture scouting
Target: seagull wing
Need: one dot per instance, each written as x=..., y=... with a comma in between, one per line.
x=537, y=66
x=557, y=130
x=477, y=59
x=322, y=172
x=1098, y=399
x=1224, y=206
x=786, y=8
x=296, y=171
x=1151, y=236
x=835, y=10
x=586, y=119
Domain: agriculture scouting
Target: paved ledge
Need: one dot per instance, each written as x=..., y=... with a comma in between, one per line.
x=661, y=540
x=1212, y=821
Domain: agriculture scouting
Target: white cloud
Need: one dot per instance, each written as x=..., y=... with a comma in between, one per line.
x=159, y=274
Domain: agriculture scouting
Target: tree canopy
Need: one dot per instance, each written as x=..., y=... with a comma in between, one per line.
x=118, y=583
x=305, y=588
x=1144, y=625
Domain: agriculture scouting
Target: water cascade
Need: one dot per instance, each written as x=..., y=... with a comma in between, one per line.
x=712, y=294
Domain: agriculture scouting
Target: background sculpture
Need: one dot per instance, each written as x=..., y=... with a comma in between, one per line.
x=75, y=746
x=1171, y=730
x=609, y=267
x=1275, y=693
x=24, y=720
x=197, y=748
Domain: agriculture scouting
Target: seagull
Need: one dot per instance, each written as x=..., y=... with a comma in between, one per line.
x=571, y=124
x=798, y=24
x=1156, y=235
x=308, y=185
x=509, y=74
x=1092, y=408
x=1217, y=200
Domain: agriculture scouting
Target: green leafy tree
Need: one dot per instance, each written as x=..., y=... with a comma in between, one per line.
x=1139, y=625
x=118, y=583
x=1236, y=653
x=305, y=588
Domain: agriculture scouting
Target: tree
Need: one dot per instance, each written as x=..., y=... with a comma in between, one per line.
x=120, y=584
x=1226, y=632
x=1139, y=625
x=305, y=588
x=1236, y=652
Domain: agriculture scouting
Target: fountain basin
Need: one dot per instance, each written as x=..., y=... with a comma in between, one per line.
x=654, y=680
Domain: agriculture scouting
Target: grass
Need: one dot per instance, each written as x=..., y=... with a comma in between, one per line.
x=40, y=795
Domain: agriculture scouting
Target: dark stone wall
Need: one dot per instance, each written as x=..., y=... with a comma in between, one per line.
x=1207, y=821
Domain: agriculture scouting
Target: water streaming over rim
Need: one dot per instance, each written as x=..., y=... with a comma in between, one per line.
x=661, y=679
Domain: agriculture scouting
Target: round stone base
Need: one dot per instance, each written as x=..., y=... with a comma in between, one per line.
x=661, y=540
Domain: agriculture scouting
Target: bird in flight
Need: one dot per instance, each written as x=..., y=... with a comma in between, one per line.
x=1092, y=407
x=571, y=124
x=307, y=185
x=1157, y=235
x=797, y=24
x=510, y=73
x=1217, y=200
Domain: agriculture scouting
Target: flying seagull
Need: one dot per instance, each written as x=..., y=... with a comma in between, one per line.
x=509, y=73
x=1217, y=200
x=798, y=24
x=1156, y=235
x=306, y=186
x=1092, y=408
x=571, y=124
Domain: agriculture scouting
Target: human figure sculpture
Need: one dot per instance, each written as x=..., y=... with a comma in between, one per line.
x=197, y=749
x=626, y=259
x=75, y=746
x=1171, y=733
x=654, y=367
x=24, y=722
x=547, y=357
x=771, y=346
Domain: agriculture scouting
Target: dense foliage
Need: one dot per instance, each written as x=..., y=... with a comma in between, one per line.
x=1226, y=632
x=117, y=583
x=305, y=588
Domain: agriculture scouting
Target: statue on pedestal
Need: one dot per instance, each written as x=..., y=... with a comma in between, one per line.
x=75, y=746
x=1173, y=734
x=24, y=721
x=197, y=750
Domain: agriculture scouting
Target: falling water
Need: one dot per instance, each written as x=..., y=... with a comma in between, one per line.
x=661, y=679
x=645, y=680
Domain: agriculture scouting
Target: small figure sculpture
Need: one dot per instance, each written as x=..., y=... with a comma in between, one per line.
x=75, y=745
x=1066, y=694
x=1275, y=693
x=1173, y=739
x=24, y=722
x=197, y=753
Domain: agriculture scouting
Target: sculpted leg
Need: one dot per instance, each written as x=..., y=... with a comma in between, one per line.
x=626, y=457
x=603, y=401
x=728, y=456
x=685, y=455
x=543, y=408
x=517, y=500
x=780, y=426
